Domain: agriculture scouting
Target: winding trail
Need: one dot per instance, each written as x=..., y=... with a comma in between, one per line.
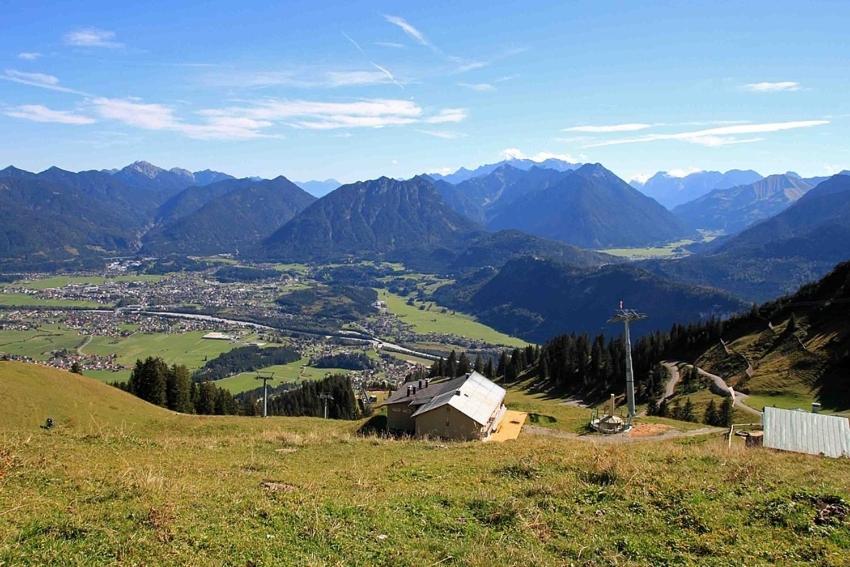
x=718, y=386
x=84, y=344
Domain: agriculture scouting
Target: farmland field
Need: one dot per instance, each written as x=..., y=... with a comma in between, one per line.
x=24, y=300
x=190, y=348
x=433, y=321
x=62, y=281
x=292, y=372
x=38, y=343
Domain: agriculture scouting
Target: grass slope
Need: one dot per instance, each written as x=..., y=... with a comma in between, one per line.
x=31, y=393
x=147, y=487
x=454, y=323
x=38, y=343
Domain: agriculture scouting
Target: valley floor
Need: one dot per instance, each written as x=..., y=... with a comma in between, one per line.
x=118, y=480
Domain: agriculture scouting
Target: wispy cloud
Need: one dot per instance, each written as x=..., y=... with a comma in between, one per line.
x=387, y=74
x=448, y=115
x=39, y=113
x=720, y=136
x=516, y=153
x=442, y=134
x=92, y=37
x=601, y=129
x=357, y=78
x=478, y=87
x=40, y=80
x=391, y=44
x=151, y=116
x=320, y=115
x=768, y=87
x=29, y=55
x=411, y=31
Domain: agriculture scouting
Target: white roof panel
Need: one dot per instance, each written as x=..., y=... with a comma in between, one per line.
x=804, y=432
x=478, y=398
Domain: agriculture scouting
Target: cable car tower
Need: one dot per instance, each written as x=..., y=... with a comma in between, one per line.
x=265, y=377
x=626, y=316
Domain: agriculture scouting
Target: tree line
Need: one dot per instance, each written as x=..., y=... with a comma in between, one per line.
x=172, y=387
x=244, y=359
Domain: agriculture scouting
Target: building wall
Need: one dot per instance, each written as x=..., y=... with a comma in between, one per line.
x=448, y=423
x=398, y=417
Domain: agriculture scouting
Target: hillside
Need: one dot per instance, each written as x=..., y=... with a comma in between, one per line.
x=537, y=299
x=235, y=490
x=48, y=221
x=731, y=210
x=238, y=219
x=591, y=208
x=778, y=255
x=378, y=217
x=797, y=348
x=32, y=393
x=671, y=190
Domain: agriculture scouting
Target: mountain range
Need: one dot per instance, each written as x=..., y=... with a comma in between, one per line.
x=463, y=174
x=319, y=188
x=777, y=255
x=731, y=210
x=671, y=190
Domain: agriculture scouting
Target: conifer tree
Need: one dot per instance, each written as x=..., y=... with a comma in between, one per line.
x=725, y=418
x=711, y=416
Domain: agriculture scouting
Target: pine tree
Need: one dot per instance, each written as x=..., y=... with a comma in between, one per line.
x=178, y=389
x=663, y=411
x=725, y=417
x=688, y=411
x=543, y=368
x=479, y=364
x=652, y=407
x=488, y=368
x=451, y=365
x=711, y=416
x=76, y=368
x=503, y=364
x=462, y=365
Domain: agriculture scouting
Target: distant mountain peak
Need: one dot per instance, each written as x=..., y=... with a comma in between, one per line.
x=145, y=168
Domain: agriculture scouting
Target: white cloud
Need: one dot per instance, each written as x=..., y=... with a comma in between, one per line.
x=39, y=113
x=356, y=78
x=92, y=37
x=629, y=127
x=40, y=80
x=448, y=115
x=641, y=178
x=29, y=55
x=445, y=135
x=720, y=136
x=516, y=153
x=391, y=44
x=478, y=87
x=768, y=87
x=150, y=116
x=407, y=28
x=683, y=171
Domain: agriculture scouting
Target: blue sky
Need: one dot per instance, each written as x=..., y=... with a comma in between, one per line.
x=356, y=90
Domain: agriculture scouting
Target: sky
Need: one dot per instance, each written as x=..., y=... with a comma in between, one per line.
x=355, y=90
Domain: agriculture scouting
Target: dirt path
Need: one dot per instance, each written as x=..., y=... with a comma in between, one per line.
x=719, y=386
x=675, y=377
x=620, y=437
x=84, y=344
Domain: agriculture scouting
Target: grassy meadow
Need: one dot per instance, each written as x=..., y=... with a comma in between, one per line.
x=120, y=481
x=434, y=321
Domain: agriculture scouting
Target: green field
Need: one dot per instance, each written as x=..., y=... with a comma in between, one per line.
x=40, y=342
x=24, y=300
x=118, y=481
x=433, y=321
x=292, y=372
x=189, y=348
x=62, y=281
